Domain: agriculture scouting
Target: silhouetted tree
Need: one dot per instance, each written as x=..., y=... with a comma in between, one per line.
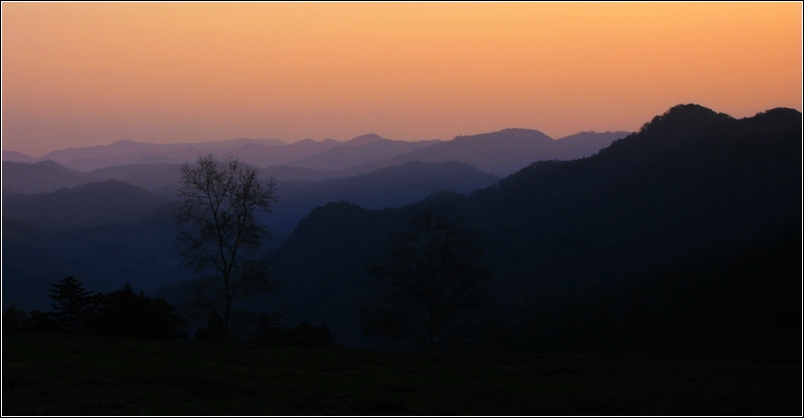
x=42, y=322
x=219, y=233
x=267, y=330
x=431, y=278
x=73, y=304
x=307, y=335
x=214, y=330
x=123, y=313
x=14, y=318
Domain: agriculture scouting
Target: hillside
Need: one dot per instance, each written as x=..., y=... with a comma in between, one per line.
x=105, y=258
x=41, y=177
x=387, y=187
x=148, y=176
x=138, y=243
x=85, y=205
x=691, y=182
x=17, y=157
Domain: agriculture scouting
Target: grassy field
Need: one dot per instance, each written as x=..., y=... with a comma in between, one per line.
x=68, y=375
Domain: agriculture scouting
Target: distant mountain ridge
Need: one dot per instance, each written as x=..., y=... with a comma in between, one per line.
x=131, y=152
x=691, y=186
x=17, y=157
x=40, y=177
x=500, y=153
x=361, y=150
x=259, y=152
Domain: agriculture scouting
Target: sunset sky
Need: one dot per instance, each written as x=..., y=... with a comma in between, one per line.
x=78, y=74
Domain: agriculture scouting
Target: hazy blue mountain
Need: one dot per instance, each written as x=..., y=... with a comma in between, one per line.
x=114, y=149
x=671, y=224
x=691, y=183
x=28, y=268
x=364, y=140
x=105, y=258
x=48, y=176
x=387, y=187
x=291, y=173
x=142, y=253
x=584, y=144
x=131, y=152
x=500, y=153
x=261, y=156
x=85, y=205
x=244, y=141
x=360, y=150
x=17, y=157
x=42, y=177
x=148, y=157
x=148, y=176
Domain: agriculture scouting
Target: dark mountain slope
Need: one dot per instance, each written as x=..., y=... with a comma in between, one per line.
x=691, y=182
x=742, y=305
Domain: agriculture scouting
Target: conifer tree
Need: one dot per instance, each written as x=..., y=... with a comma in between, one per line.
x=73, y=304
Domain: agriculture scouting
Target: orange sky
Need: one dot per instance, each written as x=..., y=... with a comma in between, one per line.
x=77, y=74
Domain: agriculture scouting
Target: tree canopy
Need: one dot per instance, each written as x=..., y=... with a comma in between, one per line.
x=431, y=279
x=219, y=232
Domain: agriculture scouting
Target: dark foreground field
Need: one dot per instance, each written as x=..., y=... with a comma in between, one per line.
x=67, y=375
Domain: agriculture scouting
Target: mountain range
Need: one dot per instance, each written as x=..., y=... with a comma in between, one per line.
x=102, y=200
x=683, y=235
x=500, y=153
x=691, y=183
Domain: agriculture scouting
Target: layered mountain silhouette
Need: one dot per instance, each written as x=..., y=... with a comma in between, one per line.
x=361, y=150
x=690, y=182
x=674, y=237
x=62, y=204
x=386, y=187
x=499, y=153
x=41, y=177
x=85, y=205
x=17, y=157
x=131, y=152
x=363, y=157
x=142, y=253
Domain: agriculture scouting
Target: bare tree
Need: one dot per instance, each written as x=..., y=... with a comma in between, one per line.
x=219, y=233
x=430, y=278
